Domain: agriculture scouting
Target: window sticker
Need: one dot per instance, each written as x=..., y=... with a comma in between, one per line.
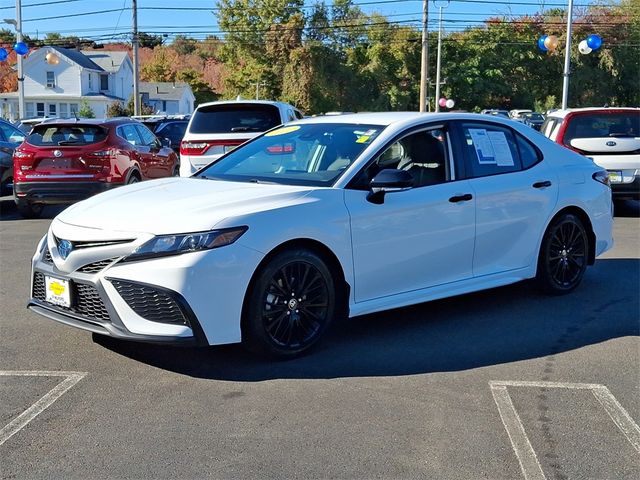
x=482, y=145
x=282, y=131
x=491, y=148
x=501, y=149
x=366, y=136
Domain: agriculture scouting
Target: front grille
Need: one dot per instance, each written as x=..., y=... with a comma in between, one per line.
x=150, y=303
x=46, y=257
x=96, y=267
x=86, y=300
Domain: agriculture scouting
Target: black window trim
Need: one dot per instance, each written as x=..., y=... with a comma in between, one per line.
x=457, y=127
x=451, y=163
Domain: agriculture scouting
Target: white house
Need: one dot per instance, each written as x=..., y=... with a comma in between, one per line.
x=168, y=98
x=98, y=77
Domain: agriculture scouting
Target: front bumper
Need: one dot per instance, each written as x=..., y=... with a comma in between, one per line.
x=194, y=298
x=59, y=192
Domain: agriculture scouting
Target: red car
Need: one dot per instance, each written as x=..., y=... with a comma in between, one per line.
x=63, y=161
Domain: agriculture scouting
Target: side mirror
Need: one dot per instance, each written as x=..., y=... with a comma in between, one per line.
x=388, y=181
x=165, y=142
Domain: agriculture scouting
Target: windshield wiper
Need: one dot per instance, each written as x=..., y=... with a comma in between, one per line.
x=246, y=129
x=621, y=134
x=69, y=142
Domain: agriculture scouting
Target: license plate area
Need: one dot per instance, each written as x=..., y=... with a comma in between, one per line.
x=615, y=176
x=57, y=291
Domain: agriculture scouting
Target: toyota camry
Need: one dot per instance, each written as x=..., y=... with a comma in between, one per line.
x=322, y=219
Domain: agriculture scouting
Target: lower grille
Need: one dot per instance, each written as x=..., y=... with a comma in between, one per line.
x=87, y=301
x=150, y=303
x=46, y=258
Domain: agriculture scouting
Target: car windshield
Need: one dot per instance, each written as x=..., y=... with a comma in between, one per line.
x=60, y=135
x=235, y=118
x=534, y=116
x=308, y=154
x=593, y=125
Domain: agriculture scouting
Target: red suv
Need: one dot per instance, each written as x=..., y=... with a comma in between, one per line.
x=62, y=161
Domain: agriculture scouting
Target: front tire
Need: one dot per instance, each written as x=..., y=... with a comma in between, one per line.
x=290, y=304
x=563, y=255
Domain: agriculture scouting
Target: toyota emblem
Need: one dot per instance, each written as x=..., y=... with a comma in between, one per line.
x=64, y=248
x=57, y=153
x=611, y=143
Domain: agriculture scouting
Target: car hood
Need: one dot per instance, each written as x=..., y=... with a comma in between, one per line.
x=177, y=205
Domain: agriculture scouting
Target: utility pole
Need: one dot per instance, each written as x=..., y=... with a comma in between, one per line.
x=136, y=64
x=439, y=57
x=567, y=58
x=21, y=110
x=424, y=69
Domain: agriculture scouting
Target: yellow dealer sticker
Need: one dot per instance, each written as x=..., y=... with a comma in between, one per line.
x=282, y=131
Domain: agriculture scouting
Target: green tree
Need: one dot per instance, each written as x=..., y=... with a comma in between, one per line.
x=201, y=89
x=85, y=110
x=116, y=109
x=184, y=45
x=147, y=40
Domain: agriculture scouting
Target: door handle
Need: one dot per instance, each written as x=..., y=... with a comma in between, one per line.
x=544, y=184
x=461, y=198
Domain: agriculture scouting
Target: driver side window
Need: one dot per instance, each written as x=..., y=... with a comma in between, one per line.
x=423, y=154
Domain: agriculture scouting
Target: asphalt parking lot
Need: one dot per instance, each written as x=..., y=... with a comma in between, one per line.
x=502, y=384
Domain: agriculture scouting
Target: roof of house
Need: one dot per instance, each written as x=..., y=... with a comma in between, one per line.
x=164, y=90
x=77, y=57
x=106, y=60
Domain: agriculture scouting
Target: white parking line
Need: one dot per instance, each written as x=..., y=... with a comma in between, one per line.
x=531, y=469
x=21, y=421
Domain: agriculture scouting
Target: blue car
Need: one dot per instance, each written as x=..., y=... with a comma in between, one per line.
x=10, y=138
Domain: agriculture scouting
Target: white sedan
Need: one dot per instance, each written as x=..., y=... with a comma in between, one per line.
x=325, y=218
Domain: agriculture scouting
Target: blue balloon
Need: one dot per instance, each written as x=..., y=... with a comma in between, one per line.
x=3, y=54
x=594, y=41
x=21, y=48
x=541, y=43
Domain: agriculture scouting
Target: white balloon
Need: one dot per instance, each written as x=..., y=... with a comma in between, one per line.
x=584, y=48
x=450, y=103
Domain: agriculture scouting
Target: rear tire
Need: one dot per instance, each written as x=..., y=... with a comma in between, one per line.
x=133, y=178
x=289, y=305
x=29, y=210
x=563, y=255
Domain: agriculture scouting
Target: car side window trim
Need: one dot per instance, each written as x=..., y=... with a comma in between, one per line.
x=457, y=130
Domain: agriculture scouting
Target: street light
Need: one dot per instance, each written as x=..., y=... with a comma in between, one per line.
x=440, y=7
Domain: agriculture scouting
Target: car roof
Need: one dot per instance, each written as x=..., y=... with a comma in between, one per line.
x=244, y=102
x=89, y=121
x=564, y=113
x=392, y=118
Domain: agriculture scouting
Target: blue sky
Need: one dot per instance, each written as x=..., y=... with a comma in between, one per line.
x=116, y=23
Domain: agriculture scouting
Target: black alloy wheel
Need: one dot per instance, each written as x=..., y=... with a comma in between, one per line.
x=563, y=256
x=133, y=178
x=291, y=303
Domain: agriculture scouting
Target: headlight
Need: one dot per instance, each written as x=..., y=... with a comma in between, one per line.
x=165, y=245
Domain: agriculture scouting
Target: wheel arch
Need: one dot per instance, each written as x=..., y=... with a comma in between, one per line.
x=586, y=221
x=344, y=289
x=133, y=171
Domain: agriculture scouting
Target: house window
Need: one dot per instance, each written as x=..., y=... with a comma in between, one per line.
x=64, y=110
x=31, y=110
x=73, y=108
x=51, y=80
x=164, y=106
x=52, y=110
x=90, y=82
x=104, y=82
x=40, y=109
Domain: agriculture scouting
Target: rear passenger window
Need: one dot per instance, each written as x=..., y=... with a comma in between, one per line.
x=489, y=150
x=528, y=154
x=130, y=134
